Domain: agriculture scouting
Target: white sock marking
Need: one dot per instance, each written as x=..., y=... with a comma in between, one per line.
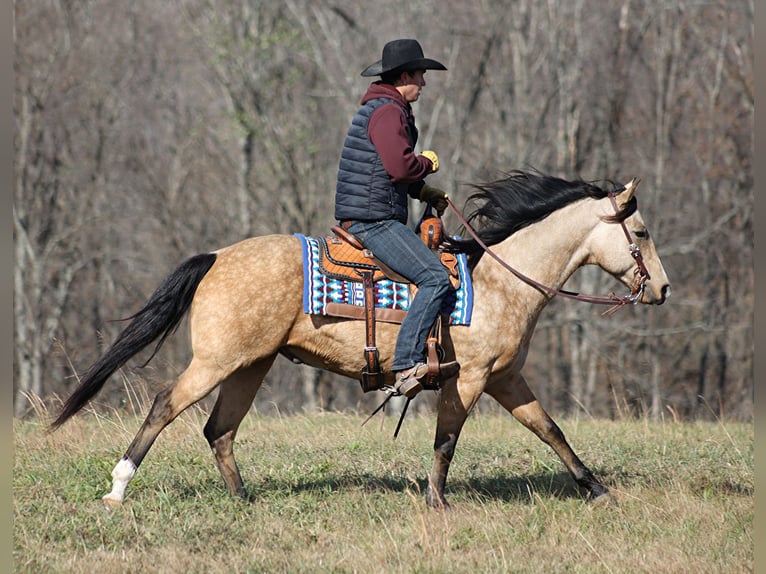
x=121, y=475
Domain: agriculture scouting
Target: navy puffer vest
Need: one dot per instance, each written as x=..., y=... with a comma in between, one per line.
x=364, y=190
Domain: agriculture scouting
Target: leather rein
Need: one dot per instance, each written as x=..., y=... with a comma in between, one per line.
x=616, y=301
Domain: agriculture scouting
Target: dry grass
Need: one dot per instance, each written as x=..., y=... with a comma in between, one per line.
x=328, y=496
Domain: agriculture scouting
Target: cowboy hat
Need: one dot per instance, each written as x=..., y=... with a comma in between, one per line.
x=402, y=55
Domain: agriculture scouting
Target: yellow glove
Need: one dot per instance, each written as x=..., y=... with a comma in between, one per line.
x=436, y=197
x=433, y=157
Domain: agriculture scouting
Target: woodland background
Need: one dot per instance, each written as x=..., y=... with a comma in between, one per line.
x=146, y=132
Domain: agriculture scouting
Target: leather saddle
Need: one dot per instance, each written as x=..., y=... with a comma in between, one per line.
x=344, y=257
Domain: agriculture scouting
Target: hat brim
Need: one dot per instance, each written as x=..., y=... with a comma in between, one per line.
x=376, y=69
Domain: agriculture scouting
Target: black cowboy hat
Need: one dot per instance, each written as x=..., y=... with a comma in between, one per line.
x=401, y=55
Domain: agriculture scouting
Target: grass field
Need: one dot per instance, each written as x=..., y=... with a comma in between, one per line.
x=328, y=496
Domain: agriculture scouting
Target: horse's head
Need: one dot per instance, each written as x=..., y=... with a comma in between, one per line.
x=549, y=218
x=623, y=246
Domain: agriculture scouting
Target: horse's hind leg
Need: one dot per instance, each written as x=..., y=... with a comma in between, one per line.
x=195, y=383
x=235, y=396
x=516, y=396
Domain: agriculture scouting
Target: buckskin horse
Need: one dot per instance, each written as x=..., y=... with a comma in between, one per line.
x=539, y=227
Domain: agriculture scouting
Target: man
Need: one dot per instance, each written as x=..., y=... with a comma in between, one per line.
x=378, y=171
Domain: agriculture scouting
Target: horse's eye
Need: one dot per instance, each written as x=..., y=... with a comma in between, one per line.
x=641, y=233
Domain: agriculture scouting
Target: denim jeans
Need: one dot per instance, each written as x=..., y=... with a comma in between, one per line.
x=398, y=247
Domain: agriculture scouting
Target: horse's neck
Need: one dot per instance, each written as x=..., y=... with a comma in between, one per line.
x=549, y=252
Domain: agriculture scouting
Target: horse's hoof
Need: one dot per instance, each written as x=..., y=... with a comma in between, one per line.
x=111, y=502
x=606, y=498
x=437, y=503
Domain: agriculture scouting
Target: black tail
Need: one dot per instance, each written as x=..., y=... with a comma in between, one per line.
x=159, y=318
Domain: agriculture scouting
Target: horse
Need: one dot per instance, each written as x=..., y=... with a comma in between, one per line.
x=546, y=226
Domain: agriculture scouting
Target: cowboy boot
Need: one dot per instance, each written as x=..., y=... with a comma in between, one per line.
x=410, y=381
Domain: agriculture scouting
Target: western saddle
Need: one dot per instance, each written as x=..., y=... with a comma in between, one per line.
x=344, y=257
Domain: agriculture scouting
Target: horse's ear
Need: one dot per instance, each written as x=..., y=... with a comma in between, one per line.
x=630, y=189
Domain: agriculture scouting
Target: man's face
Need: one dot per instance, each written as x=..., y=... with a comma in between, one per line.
x=410, y=84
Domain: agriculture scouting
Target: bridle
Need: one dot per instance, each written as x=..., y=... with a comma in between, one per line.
x=616, y=301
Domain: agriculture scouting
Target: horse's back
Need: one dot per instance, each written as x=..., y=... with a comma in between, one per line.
x=273, y=254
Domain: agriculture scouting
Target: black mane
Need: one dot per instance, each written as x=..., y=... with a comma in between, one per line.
x=500, y=208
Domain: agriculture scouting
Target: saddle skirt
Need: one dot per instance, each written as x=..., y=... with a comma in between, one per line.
x=332, y=284
x=341, y=260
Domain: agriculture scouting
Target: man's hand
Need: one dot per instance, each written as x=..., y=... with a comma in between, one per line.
x=436, y=197
x=434, y=159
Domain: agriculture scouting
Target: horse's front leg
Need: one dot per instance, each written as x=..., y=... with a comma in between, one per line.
x=515, y=395
x=455, y=403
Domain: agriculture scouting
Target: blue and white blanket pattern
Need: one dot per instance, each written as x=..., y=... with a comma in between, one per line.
x=318, y=289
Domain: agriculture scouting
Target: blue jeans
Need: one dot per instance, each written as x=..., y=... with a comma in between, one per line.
x=398, y=247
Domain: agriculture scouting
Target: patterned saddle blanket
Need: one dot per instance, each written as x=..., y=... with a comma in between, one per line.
x=337, y=295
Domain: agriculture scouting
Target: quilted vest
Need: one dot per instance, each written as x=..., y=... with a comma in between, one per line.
x=364, y=190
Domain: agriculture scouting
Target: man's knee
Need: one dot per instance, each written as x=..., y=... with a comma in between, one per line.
x=441, y=281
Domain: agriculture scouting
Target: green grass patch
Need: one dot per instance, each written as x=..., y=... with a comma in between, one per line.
x=326, y=495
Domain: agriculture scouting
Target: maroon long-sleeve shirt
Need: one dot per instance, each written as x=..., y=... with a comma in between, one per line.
x=387, y=132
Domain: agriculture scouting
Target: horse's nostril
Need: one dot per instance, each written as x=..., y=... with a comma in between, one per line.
x=666, y=292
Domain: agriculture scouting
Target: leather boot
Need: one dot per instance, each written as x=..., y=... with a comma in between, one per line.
x=410, y=381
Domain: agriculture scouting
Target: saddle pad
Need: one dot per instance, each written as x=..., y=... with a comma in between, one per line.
x=320, y=290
